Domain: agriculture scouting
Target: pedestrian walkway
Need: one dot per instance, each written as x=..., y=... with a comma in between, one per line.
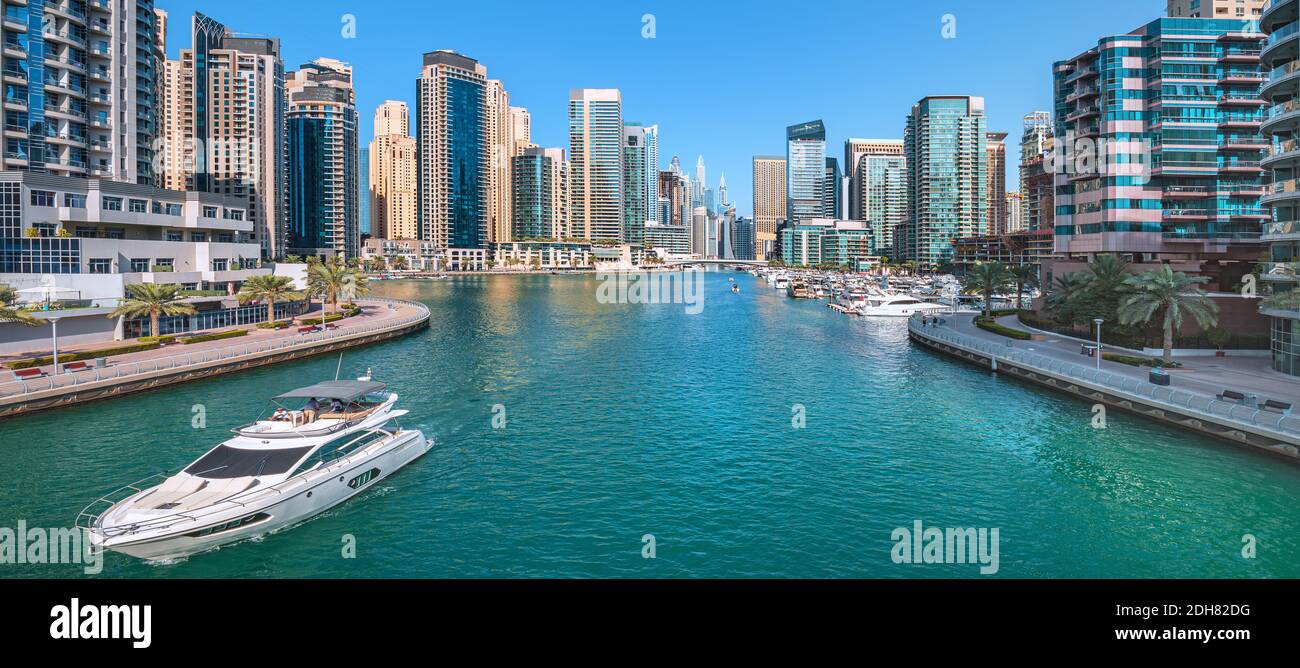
x=1201, y=375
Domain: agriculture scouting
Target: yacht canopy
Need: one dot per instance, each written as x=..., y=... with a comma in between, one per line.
x=343, y=390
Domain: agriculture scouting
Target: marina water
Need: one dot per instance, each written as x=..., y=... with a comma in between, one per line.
x=759, y=437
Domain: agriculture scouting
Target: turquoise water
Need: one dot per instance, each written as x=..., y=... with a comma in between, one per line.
x=626, y=420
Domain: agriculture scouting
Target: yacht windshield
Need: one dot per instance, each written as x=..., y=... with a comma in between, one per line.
x=228, y=462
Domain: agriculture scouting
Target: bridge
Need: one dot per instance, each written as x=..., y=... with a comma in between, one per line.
x=716, y=262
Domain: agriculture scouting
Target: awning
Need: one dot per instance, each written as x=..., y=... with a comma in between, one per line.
x=343, y=390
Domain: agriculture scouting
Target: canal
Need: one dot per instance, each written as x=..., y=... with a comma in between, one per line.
x=759, y=437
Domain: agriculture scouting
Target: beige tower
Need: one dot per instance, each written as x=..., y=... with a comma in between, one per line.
x=997, y=183
x=393, y=174
x=521, y=129
x=501, y=138
x=769, y=201
x=596, y=159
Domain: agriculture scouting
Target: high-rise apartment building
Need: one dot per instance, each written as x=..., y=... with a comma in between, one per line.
x=81, y=88
x=521, y=129
x=805, y=171
x=394, y=186
x=832, y=191
x=324, y=162
x=945, y=144
x=1035, y=143
x=634, y=184
x=674, y=198
x=769, y=201
x=882, y=195
x=1249, y=10
x=541, y=195
x=1182, y=186
x=595, y=158
x=500, y=129
x=651, y=177
x=455, y=151
x=997, y=188
x=231, y=106
x=1015, y=221
x=1281, y=274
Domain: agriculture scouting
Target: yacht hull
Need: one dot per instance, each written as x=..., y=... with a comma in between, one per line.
x=295, y=500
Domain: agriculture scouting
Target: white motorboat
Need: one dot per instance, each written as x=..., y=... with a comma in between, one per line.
x=272, y=474
x=895, y=306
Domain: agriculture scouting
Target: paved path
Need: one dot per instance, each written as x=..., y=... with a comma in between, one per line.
x=1200, y=375
x=371, y=313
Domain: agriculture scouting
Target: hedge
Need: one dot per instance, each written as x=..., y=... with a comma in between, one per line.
x=991, y=326
x=215, y=337
x=64, y=358
x=1133, y=360
x=157, y=339
x=278, y=324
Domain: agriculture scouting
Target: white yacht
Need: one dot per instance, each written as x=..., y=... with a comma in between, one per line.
x=340, y=441
x=897, y=306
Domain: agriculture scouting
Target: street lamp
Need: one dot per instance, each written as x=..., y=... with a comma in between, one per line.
x=1099, y=321
x=54, y=324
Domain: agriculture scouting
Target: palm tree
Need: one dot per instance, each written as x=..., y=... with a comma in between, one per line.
x=399, y=262
x=9, y=314
x=986, y=278
x=155, y=300
x=326, y=279
x=1172, y=292
x=1064, y=295
x=1024, y=276
x=355, y=284
x=268, y=288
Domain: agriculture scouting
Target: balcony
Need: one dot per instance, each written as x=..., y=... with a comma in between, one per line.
x=1186, y=192
x=1281, y=191
x=1282, y=231
x=1185, y=214
x=1280, y=271
x=1277, y=13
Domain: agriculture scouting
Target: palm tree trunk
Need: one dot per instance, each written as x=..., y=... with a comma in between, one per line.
x=1020, y=296
x=270, y=309
x=988, y=304
x=1169, y=338
x=153, y=321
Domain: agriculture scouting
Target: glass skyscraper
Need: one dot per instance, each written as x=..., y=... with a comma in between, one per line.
x=945, y=145
x=805, y=171
x=451, y=102
x=596, y=163
x=323, y=161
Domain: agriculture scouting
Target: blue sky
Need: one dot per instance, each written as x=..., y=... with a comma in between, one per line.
x=721, y=78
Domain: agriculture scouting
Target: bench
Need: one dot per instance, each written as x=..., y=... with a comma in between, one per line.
x=307, y=330
x=1277, y=406
x=1234, y=397
x=75, y=366
x=331, y=326
x=24, y=374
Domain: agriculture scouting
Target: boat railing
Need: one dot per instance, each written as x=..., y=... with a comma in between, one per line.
x=17, y=388
x=1188, y=402
x=89, y=515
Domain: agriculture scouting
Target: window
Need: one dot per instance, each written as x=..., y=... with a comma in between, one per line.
x=219, y=263
x=112, y=204
x=234, y=214
x=209, y=212
x=140, y=264
x=115, y=233
x=225, y=237
x=361, y=480
x=100, y=265
x=198, y=236
x=164, y=263
x=225, y=462
x=86, y=232
x=42, y=198
x=138, y=206
x=74, y=201
x=174, y=235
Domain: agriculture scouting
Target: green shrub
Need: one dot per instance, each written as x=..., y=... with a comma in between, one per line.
x=278, y=324
x=1133, y=360
x=991, y=326
x=64, y=358
x=215, y=337
x=157, y=339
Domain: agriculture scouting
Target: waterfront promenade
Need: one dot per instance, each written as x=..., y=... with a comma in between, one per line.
x=1191, y=401
x=380, y=319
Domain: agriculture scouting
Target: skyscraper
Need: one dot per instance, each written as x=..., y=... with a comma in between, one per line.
x=634, y=184
x=652, y=173
x=455, y=151
x=232, y=124
x=1282, y=232
x=832, y=191
x=1182, y=186
x=769, y=201
x=945, y=144
x=997, y=186
x=94, y=68
x=1035, y=142
x=540, y=194
x=805, y=170
x=882, y=195
x=521, y=129
x=500, y=127
x=323, y=161
x=701, y=184
x=394, y=165
x=595, y=158
x=1249, y=10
